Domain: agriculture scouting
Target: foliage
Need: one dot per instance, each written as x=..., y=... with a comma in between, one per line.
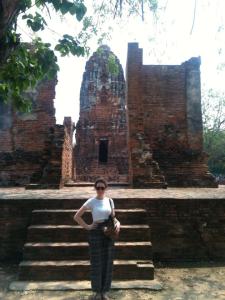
x=214, y=144
x=213, y=110
x=23, y=65
x=113, y=65
x=130, y=7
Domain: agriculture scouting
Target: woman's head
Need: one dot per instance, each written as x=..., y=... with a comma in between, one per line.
x=100, y=186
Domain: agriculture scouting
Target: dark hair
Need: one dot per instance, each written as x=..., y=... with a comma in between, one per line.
x=100, y=180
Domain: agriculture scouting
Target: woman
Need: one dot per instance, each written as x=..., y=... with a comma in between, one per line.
x=101, y=247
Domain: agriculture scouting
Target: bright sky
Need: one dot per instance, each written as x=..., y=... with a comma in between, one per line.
x=168, y=41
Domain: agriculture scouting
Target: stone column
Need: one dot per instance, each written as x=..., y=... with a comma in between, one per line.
x=143, y=170
x=193, y=105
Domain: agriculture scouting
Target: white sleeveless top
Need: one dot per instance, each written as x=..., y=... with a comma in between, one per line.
x=100, y=208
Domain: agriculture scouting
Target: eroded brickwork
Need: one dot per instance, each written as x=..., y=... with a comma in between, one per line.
x=163, y=133
x=164, y=113
x=181, y=229
x=67, y=155
x=33, y=148
x=23, y=137
x=101, y=131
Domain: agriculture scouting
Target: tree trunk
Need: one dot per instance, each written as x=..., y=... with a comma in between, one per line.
x=9, y=10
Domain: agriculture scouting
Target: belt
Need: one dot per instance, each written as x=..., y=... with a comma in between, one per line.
x=100, y=224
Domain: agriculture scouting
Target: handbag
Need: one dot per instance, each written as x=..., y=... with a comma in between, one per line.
x=109, y=229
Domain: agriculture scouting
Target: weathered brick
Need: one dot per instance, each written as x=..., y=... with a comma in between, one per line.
x=33, y=148
x=164, y=112
x=102, y=115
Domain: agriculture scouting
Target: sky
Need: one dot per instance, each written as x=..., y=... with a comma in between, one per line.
x=172, y=39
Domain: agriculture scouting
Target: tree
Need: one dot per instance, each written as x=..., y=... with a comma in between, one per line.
x=213, y=111
x=23, y=65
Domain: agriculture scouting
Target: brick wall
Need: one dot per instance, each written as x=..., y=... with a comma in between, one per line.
x=23, y=137
x=164, y=109
x=187, y=229
x=33, y=148
x=58, y=155
x=181, y=229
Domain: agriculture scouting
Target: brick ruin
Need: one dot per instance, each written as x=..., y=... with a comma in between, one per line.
x=101, y=131
x=147, y=133
x=33, y=148
x=165, y=124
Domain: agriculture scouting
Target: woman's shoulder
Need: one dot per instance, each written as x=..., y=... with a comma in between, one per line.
x=108, y=198
x=111, y=200
x=88, y=202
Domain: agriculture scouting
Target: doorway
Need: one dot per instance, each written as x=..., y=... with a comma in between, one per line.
x=103, y=150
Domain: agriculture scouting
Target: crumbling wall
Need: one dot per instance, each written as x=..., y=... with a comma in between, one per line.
x=35, y=151
x=181, y=229
x=164, y=107
x=23, y=137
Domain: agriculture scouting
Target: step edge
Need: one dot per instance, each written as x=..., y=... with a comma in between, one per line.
x=142, y=243
x=82, y=262
x=76, y=209
x=62, y=226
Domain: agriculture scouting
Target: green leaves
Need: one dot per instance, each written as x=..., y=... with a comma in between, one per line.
x=214, y=145
x=153, y=4
x=213, y=112
x=112, y=65
x=23, y=65
x=69, y=45
x=26, y=65
x=36, y=22
x=80, y=10
x=25, y=4
x=75, y=7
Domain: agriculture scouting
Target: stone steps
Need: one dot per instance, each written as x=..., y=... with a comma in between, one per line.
x=80, y=250
x=57, y=248
x=123, y=182
x=80, y=270
x=65, y=202
x=75, y=233
x=52, y=216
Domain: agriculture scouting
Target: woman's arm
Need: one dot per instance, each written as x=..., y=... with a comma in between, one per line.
x=118, y=222
x=77, y=217
x=113, y=212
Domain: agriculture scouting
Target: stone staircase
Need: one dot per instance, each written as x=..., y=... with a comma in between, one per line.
x=57, y=249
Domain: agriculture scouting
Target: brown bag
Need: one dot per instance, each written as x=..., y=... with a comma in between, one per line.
x=109, y=229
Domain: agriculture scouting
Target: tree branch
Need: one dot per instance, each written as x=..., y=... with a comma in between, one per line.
x=193, y=22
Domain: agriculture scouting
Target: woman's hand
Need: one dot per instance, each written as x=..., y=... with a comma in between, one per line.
x=117, y=227
x=92, y=226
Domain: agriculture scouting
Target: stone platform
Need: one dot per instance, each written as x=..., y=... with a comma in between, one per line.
x=153, y=285
x=114, y=192
x=186, y=224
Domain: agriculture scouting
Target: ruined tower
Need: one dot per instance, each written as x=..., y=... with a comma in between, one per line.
x=101, y=131
x=164, y=113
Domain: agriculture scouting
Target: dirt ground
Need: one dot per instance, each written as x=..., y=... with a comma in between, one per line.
x=192, y=282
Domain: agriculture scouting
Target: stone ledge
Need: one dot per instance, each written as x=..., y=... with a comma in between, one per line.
x=153, y=285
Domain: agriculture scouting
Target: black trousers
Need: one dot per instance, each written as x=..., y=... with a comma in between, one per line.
x=101, y=251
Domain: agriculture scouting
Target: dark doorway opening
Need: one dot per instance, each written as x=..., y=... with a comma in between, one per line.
x=103, y=150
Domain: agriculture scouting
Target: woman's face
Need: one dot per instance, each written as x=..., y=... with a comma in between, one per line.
x=100, y=189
